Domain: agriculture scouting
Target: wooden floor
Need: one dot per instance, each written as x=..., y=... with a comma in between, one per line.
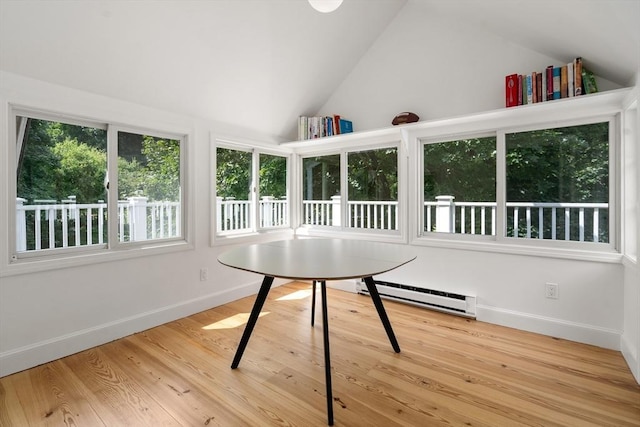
x=451, y=371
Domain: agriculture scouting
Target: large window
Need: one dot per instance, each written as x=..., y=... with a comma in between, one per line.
x=555, y=186
x=460, y=186
x=373, y=189
x=557, y=183
x=366, y=198
x=321, y=190
x=251, y=190
x=65, y=172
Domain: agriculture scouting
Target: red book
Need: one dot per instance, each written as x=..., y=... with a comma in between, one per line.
x=511, y=90
x=519, y=89
x=549, y=76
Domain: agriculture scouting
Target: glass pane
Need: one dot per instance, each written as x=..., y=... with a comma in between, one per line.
x=558, y=183
x=273, y=191
x=321, y=190
x=373, y=189
x=60, y=185
x=233, y=186
x=149, y=196
x=460, y=186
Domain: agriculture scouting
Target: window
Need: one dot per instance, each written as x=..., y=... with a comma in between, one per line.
x=149, y=190
x=555, y=186
x=81, y=186
x=460, y=186
x=370, y=190
x=251, y=190
x=61, y=198
x=321, y=190
x=557, y=183
x=373, y=189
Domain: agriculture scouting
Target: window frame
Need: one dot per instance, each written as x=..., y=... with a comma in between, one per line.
x=397, y=236
x=255, y=232
x=420, y=187
x=47, y=259
x=500, y=242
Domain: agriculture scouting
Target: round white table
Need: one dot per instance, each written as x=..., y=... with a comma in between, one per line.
x=318, y=260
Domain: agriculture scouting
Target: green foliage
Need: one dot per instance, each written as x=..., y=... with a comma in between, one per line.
x=273, y=176
x=80, y=171
x=373, y=175
x=233, y=173
x=465, y=169
x=321, y=177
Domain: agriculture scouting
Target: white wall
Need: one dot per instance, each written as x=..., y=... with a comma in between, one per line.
x=48, y=314
x=399, y=72
x=630, y=341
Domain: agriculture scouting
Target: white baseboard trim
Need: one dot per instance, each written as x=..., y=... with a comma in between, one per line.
x=41, y=352
x=559, y=328
x=631, y=357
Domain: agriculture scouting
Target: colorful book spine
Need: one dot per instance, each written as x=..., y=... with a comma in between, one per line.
x=577, y=69
x=563, y=81
x=511, y=90
x=556, y=82
x=529, y=90
x=570, y=80
x=549, y=75
x=519, y=89
x=539, y=87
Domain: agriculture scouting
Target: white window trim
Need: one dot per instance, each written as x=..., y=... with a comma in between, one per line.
x=366, y=144
x=11, y=265
x=255, y=234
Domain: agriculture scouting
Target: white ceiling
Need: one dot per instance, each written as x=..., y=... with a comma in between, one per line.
x=258, y=64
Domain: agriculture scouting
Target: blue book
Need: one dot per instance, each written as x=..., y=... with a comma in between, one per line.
x=346, y=126
x=556, y=82
x=529, y=90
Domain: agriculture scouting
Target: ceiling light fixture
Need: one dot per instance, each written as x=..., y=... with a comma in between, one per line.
x=325, y=6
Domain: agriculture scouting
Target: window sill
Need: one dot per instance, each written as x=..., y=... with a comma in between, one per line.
x=524, y=249
x=252, y=237
x=67, y=260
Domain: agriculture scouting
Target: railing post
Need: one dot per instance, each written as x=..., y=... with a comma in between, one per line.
x=266, y=212
x=445, y=210
x=138, y=226
x=336, y=215
x=219, y=213
x=21, y=225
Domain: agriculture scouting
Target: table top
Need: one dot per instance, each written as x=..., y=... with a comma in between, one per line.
x=318, y=259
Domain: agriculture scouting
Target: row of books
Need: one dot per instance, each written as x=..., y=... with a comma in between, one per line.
x=321, y=126
x=564, y=81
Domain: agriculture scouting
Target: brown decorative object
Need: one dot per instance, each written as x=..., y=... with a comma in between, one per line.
x=405, y=117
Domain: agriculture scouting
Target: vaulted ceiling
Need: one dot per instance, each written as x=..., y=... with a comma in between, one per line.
x=258, y=64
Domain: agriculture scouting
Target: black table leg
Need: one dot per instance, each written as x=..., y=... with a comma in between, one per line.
x=313, y=304
x=253, y=317
x=327, y=361
x=377, y=301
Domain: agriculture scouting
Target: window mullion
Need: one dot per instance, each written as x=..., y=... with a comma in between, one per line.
x=112, y=186
x=501, y=186
x=255, y=194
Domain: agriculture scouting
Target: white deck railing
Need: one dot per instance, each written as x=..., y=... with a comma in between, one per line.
x=67, y=224
x=235, y=215
x=558, y=221
x=50, y=225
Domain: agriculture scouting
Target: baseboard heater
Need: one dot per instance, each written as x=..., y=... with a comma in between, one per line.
x=448, y=302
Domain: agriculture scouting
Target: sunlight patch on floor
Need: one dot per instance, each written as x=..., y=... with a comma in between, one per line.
x=232, y=321
x=301, y=294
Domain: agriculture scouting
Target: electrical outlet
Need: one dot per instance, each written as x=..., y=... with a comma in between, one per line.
x=204, y=274
x=551, y=290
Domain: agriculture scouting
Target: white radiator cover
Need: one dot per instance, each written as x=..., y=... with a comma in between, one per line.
x=462, y=305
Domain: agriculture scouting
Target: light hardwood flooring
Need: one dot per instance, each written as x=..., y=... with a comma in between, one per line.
x=451, y=371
